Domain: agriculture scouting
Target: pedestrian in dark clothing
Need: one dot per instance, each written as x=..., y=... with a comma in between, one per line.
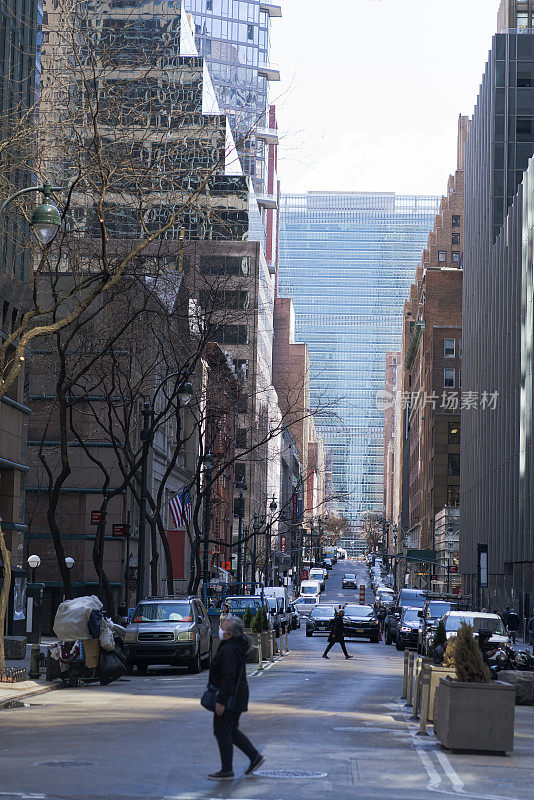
x=337, y=634
x=505, y=616
x=530, y=632
x=228, y=674
x=513, y=624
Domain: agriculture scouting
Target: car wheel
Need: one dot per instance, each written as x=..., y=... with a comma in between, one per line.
x=142, y=668
x=195, y=665
x=388, y=639
x=399, y=645
x=130, y=667
x=309, y=633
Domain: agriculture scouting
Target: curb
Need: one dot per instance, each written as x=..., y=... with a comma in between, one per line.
x=6, y=701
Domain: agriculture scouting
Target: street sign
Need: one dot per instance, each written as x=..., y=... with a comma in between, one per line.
x=96, y=517
x=118, y=530
x=227, y=565
x=362, y=594
x=283, y=544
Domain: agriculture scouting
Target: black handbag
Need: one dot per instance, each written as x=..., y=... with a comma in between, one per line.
x=209, y=698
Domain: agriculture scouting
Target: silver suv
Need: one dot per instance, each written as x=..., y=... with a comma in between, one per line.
x=169, y=630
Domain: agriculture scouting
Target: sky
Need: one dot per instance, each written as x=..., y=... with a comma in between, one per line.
x=371, y=90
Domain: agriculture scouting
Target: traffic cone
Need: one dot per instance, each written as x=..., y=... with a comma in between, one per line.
x=380, y=634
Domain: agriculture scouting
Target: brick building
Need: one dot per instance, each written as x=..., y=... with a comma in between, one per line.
x=429, y=379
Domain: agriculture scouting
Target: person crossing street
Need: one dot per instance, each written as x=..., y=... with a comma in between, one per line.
x=337, y=634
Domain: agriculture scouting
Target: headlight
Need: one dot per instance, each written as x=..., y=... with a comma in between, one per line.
x=185, y=636
x=405, y=629
x=130, y=636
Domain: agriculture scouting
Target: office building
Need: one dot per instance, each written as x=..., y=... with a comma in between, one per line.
x=497, y=478
x=347, y=259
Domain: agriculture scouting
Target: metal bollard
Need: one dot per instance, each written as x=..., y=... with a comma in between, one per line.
x=417, y=688
x=260, y=657
x=287, y=640
x=425, y=702
x=405, y=676
x=409, y=688
x=273, y=644
x=35, y=661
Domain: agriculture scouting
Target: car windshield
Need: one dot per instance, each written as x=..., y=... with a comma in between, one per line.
x=307, y=600
x=316, y=573
x=272, y=603
x=493, y=624
x=438, y=610
x=323, y=612
x=238, y=605
x=163, y=612
x=350, y=576
x=412, y=597
x=358, y=611
x=410, y=615
x=308, y=590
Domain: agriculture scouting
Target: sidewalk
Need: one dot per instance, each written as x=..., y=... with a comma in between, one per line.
x=16, y=692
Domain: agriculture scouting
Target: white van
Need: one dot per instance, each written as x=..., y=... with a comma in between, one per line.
x=318, y=574
x=309, y=588
x=281, y=593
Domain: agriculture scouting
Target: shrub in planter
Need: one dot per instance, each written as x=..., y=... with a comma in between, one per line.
x=257, y=622
x=264, y=618
x=247, y=618
x=473, y=712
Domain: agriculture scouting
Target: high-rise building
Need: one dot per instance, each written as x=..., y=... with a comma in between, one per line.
x=515, y=14
x=347, y=258
x=234, y=38
x=497, y=478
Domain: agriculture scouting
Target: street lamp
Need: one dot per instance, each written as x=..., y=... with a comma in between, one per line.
x=209, y=463
x=46, y=220
x=242, y=486
x=272, y=508
x=69, y=562
x=33, y=563
x=185, y=393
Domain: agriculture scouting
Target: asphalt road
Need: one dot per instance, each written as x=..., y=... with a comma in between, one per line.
x=337, y=728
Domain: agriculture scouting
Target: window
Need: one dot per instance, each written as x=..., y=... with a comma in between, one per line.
x=209, y=5
x=453, y=468
x=449, y=348
x=241, y=438
x=455, y=239
x=455, y=220
x=239, y=471
x=442, y=256
x=250, y=33
x=522, y=20
x=448, y=378
x=231, y=334
x=453, y=495
x=459, y=378
x=460, y=348
x=455, y=257
x=454, y=433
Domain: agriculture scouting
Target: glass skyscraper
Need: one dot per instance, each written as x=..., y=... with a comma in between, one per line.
x=348, y=260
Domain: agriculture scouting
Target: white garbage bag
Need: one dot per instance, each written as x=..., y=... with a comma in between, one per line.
x=107, y=641
x=71, y=618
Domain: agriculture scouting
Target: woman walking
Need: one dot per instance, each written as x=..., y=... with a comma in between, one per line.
x=229, y=675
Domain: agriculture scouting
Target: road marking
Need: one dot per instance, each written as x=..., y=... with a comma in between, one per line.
x=450, y=771
x=433, y=774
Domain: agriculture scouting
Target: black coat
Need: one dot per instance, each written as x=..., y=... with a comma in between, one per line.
x=225, y=669
x=337, y=634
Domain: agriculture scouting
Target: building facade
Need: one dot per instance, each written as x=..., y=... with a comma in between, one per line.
x=497, y=480
x=390, y=426
x=347, y=259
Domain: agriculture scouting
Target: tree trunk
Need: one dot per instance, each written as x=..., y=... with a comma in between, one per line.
x=4, y=596
x=155, y=558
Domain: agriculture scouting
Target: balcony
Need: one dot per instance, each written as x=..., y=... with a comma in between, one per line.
x=267, y=135
x=272, y=9
x=269, y=72
x=266, y=200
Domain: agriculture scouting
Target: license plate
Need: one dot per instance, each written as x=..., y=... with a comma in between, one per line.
x=359, y=630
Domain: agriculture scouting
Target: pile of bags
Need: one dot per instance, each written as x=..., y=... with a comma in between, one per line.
x=81, y=620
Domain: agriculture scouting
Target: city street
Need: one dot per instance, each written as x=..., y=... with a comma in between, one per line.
x=341, y=721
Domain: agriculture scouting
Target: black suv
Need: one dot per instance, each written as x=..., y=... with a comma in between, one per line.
x=169, y=630
x=432, y=612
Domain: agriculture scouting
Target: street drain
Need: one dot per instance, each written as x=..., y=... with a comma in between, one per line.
x=65, y=764
x=289, y=773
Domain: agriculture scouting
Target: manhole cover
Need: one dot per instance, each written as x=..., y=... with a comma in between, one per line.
x=65, y=764
x=289, y=773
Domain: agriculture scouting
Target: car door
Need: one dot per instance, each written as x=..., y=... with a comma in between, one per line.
x=203, y=627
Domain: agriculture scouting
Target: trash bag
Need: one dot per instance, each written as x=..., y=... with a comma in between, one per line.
x=107, y=640
x=72, y=616
x=111, y=667
x=93, y=623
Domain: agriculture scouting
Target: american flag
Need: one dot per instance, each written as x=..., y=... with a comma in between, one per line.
x=181, y=508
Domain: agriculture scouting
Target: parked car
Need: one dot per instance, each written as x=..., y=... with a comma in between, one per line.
x=318, y=574
x=361, y=621
x=328, y=563
x=320, y=619
x=238, y=604
x=306, y=603
x=430, y=615
x=310, y=587
x=169, y=630
x=408, y=629
x=412, y=598
x=391, y=621
x=275, y=614
x=349, y=581
x=478, y=620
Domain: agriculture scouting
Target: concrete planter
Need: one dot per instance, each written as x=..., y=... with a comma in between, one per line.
x=475, y=716
x=266, y=645
x=436, y=674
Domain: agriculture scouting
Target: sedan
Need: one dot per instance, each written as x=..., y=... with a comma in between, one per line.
x=361, y=621
x=349, y=581
x=408, y=629
x=306, y=603
x=320, y=620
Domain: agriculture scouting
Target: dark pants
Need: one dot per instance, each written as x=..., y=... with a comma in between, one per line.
x=331, y=644
x=227, y=733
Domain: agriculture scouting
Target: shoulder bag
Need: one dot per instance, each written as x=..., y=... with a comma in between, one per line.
x=209, y=698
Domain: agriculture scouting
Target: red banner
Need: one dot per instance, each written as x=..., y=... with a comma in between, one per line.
x=176, y=541
x=283, y=544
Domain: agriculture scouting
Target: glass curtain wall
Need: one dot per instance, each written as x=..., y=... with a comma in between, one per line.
x=348, y=260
